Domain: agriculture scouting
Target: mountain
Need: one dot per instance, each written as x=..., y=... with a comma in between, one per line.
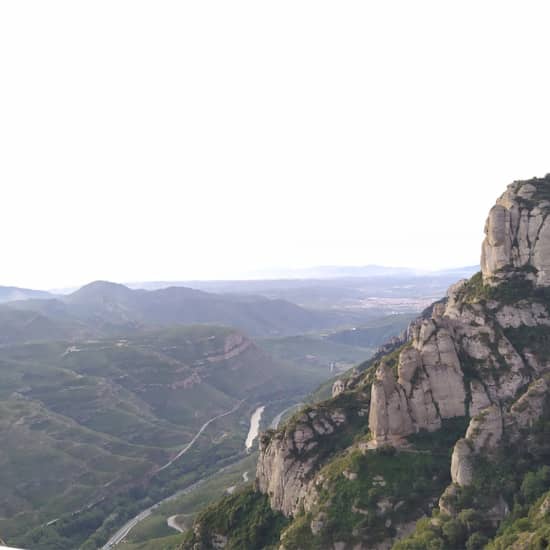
x=338, y=272
x=291, y=277
x=103, y=309
x=13, y=293
x=441, y=441
x=364, y=297
x=86, y=427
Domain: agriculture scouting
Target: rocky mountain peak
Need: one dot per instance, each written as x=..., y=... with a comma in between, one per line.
x=517, y=241
x=465, y=391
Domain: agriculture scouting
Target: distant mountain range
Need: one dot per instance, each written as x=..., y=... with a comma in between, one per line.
x=342, y=292
x=260, y=308
x=314, y=273
x=13, y=293
x=335, y=272
x=103, y=309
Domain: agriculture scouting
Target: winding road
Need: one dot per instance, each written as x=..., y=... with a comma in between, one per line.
x=198, y=434
x=129, y=525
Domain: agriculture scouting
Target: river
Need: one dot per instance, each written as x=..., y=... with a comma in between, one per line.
x=252, y=435
x=254, y=427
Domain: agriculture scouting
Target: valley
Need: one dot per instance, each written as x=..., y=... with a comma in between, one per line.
x=263, y=285
x=131, y=403
x=106, y=414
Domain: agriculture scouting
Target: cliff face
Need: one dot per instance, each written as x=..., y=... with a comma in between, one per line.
x=290, y=457
x=465, y=394
x=518, y=233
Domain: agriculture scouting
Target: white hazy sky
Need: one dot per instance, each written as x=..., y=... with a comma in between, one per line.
x=174, y=140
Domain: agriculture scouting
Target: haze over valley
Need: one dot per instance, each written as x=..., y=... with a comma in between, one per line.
x=274, y=275
x=131, y=395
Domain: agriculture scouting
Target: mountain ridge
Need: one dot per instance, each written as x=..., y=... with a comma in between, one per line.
x=14, y=293
x=450, y=425
x=102, y=308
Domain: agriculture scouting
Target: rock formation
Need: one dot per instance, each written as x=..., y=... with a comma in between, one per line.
x=289, y=458
x=481, y=355
x=433, y=377
x=518, y=234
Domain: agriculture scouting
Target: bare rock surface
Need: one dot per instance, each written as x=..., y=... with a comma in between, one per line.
x=517, y=234
x=464, y=358
x=288, y=461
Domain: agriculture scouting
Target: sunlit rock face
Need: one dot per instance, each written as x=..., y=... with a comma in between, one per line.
x=428, y=388
x=517, y=234
x=468, y=357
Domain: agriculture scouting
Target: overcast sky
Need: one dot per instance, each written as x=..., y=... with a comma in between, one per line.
x=175, y=140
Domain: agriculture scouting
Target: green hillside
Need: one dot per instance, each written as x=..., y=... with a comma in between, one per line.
x=83, y=421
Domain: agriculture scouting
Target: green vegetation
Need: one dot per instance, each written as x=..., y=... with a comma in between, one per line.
x=514, y=476
x=170, y=542
x=531, y=531
x=536, y=339
x=154, y=529
x=315, y=351
x=91, y=528
x=516, y=287
x=353, y=403
x=392, y=358
x=372, y=334
x=245, y=519
x=104, y=415
x=542, y=192
x=442, y=441
x=390, y=486
x=473, y=528
x=443, y=532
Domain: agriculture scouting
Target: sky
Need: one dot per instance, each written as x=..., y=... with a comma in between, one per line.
x=210, y=139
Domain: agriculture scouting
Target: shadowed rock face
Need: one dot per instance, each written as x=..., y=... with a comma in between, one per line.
x=518, y=234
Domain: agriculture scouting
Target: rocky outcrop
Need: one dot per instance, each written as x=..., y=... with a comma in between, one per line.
x=389, y=419
x=528, y=409
x=465, y=357
x=288, y=459
x=461, y=465
x=518, y=234
x=338, y=387
x=483, y=435
x=233, y=345
x=429, y=386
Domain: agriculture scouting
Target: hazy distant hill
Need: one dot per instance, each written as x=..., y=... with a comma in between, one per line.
x=107, y=309
x=331, y=275
x=336, y=271
x=13, y=293
x=412, y=291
